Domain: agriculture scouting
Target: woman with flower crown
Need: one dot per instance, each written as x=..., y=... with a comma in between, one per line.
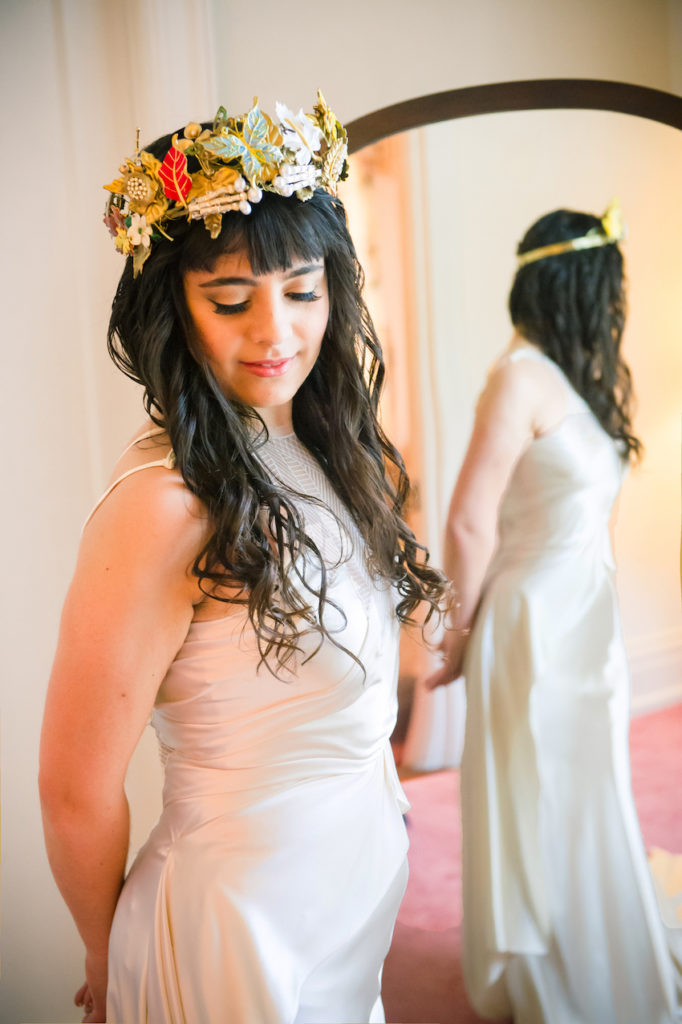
x=242, y=580
x=560, y=920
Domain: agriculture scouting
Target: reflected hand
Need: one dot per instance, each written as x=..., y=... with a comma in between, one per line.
x=92, y=995
x=452, y=649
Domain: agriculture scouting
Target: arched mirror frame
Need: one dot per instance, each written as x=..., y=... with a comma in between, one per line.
x=505, y=97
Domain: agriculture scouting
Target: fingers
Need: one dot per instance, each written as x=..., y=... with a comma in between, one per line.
x=93, y=1015
x=85, y=998
x=88, y=1005
x=95, y=990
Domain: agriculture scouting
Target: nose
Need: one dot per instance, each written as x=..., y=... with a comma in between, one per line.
x=270, y=321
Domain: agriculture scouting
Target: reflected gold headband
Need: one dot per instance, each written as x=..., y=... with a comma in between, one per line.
x=612, y=230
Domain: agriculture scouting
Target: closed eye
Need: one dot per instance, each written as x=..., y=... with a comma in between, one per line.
x=304, y=296
x=229, y=310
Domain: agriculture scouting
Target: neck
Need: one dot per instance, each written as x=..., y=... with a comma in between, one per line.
x=518, y=340
x=278, y=420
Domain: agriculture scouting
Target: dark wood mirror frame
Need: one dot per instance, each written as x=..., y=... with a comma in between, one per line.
x=503, y=97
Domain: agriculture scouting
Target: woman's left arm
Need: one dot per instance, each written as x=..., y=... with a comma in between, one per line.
x=126, y=614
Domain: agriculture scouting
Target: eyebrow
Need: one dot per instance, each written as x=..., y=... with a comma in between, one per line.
x=307, y=268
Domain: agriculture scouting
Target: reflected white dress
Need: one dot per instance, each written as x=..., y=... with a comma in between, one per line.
x=268, y=890
x=560, y=920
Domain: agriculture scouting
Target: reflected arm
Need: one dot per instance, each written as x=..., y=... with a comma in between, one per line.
x=503, y=427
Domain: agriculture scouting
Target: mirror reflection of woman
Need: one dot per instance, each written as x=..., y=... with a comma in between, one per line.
x=242, y=580
x=560, y=919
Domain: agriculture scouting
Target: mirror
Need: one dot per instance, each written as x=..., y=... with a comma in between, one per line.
x=437, y=212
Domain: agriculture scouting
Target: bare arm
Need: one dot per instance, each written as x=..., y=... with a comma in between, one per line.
x=126, y=614
x=504, y=425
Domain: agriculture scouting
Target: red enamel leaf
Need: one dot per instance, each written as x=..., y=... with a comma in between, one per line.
x=173, y=174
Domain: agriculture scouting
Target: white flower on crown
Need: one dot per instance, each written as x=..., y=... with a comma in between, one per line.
x=299, y=133
x=139, y=231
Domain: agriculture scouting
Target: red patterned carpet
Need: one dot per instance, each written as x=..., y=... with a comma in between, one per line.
x=422, y=979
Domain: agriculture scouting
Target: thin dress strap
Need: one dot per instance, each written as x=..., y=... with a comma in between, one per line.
x=154, y=432
x=168, y=462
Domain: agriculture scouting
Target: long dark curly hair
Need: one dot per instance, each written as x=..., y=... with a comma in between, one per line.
x=572, y=305
x=256, y=524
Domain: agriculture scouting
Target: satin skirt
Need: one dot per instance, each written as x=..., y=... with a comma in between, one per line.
x=560, y=917
x=279, y=909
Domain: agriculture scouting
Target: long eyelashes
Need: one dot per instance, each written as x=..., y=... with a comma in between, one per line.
x=303, y=296
x=240, y=307
x=223, y=310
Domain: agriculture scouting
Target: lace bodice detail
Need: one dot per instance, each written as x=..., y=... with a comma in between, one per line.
x=329, y=524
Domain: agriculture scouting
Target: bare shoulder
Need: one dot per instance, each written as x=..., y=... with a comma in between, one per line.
x=510, y=385
x=521, y=376
x=529, y=390
x=147, y=511
x=129, y=605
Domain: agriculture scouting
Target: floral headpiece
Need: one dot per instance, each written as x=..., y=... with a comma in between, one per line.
x=611, y=230
x=238, y=158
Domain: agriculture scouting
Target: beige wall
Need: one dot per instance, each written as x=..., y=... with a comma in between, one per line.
x=366, y=55
x=77, y=76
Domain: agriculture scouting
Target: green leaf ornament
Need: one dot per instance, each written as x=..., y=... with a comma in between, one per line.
x=251, y=148
x=220, y=119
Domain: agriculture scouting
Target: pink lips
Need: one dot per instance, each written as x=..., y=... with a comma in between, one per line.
x=269, y=367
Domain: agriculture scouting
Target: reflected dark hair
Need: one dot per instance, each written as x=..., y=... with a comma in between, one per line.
x=572, y=305
x=257, y=527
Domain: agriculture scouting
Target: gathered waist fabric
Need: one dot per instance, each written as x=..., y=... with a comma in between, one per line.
x=256, y=895
x=243, y=787
x=528, y=553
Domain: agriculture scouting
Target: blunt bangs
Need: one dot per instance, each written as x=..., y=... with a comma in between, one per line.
x=276, y=234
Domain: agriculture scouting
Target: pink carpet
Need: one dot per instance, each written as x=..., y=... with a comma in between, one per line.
x=422, y=977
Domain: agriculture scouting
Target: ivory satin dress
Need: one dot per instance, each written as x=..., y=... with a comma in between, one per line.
x=268, y=891
x=560, y=919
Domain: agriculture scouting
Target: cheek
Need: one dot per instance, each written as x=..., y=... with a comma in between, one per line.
x=214, y=337
x=321, y=321
x=198, y=336
x=310, y=329
x=203, y=339
x=316, y=337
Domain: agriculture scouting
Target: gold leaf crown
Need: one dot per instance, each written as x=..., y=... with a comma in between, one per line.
x=610, y=231
x=238, y=158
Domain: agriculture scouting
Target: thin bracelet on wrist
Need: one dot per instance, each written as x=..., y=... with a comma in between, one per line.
x=452, y=613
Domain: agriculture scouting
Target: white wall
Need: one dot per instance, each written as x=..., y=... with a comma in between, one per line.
x=366, y=55
x=77, y=77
